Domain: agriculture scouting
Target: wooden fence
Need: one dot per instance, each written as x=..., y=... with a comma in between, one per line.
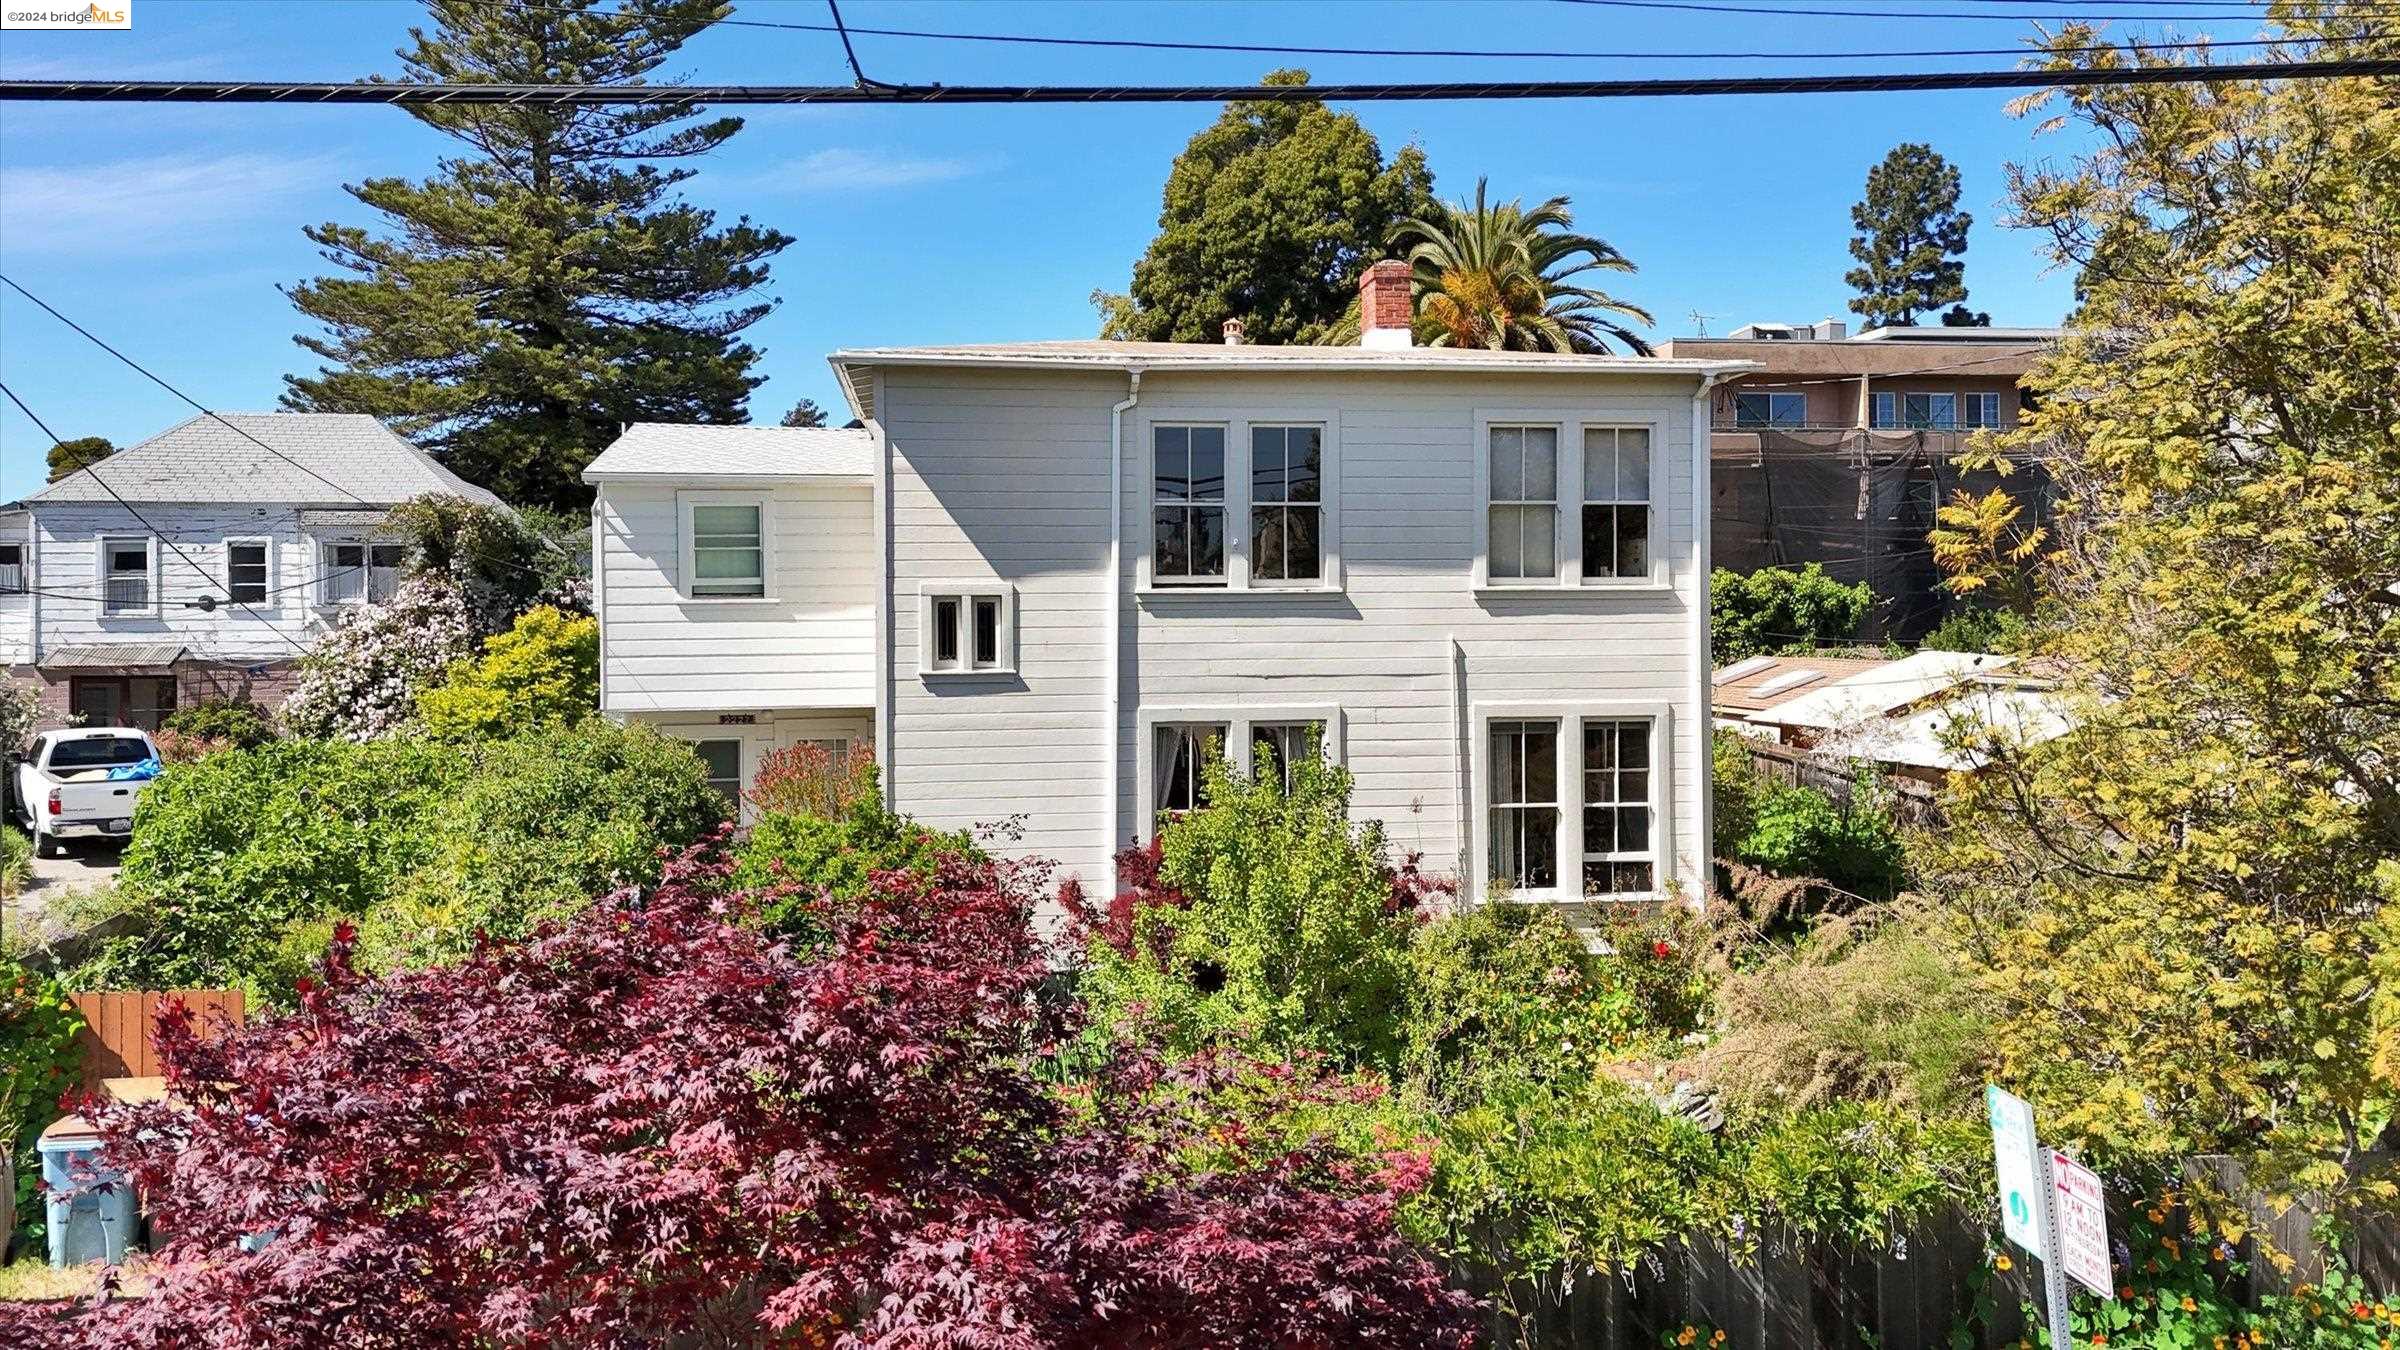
x=1910, y=801
x=115, y=1040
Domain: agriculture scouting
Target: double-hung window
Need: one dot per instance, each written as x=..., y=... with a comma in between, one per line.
x=128, y=576
x=1616, y=503
x=725, y=554
x=1916, y=412
x=968, y=628
x=355, y=572
x=1280, y=747
x=1523, y=504
x=1188, y=505
x=246, y=580
x=1179, y=754
x=1286, y=503
x=1571, y=803
x=12, y=569
x=1767, y=408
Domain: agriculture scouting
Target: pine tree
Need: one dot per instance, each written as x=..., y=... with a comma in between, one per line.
x=548, y=286
x=805, y=413
x=1270, y=215
x=1911, y=236
x=68, y=456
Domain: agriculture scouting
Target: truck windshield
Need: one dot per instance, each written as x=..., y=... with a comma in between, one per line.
x=98, y=752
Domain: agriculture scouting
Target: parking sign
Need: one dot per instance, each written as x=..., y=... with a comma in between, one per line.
x=2082, y=1215
x=2018, y=1161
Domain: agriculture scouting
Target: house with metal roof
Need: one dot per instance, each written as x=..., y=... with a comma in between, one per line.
x=201, y=562
x=1047, y=580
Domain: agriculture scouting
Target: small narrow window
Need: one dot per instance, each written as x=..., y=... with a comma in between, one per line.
x=1286, y=503
x=1983, y=410
x=342, y=572
x=246, y=573
x=945, y=633
x=384, y=565
x=1187, y=490
x=1179, y=752
x=126, y=585
x=721, y=762
x=1524, y=805
x=1523, y=510
x=987, y=632
x=1887, y=410
x=12, y=569
x=1620, y=856
x=729, y=555
x=1616, y=503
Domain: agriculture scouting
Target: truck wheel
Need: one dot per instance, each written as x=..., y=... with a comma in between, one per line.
x=45, y=846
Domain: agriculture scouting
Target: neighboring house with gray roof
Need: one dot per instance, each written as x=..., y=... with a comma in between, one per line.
x=201, y=562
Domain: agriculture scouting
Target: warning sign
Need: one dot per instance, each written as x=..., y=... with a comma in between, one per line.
x=2081, y=1212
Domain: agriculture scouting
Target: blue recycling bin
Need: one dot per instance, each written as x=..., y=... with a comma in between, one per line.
x=91, y=1213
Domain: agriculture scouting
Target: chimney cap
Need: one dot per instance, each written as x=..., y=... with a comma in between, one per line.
x=1233, y=332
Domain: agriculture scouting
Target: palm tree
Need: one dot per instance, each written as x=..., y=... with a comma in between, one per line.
x=1502, y=277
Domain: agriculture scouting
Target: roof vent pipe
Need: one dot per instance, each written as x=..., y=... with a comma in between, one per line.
x=1233, y=332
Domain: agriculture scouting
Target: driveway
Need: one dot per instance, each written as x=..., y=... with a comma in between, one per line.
x=88, y=864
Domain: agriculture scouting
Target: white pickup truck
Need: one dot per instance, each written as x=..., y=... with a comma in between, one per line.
x=64, y=789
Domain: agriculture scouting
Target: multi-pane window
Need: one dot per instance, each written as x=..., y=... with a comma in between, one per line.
x=355, y=572
x=1937, y=412
x=1179, y=752
x=1981, y=410
x=125, y=576
x=1524, y=804
x=1277, y=748
x=722, y=764
x=1766, y=408
x=246, y=572
x=12, y=569
x=729, y=551
x=1616, y=502
x=966, y=631
x=1523, y=506
x=1620, y=856
x=1187, y=493
x=1286, y=503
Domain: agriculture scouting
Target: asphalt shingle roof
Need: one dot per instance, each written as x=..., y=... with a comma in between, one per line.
x=665, y=450
x=316, y=459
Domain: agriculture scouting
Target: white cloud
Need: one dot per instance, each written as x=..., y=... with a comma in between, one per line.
x=844, y=170
x=166, y=204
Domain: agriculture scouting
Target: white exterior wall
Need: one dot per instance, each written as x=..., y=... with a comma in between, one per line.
x=1004, y=475
x=67, y=563
x=809, y=645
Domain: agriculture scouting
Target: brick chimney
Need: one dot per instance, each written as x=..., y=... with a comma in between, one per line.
x=1233, y=332
x=1383, y=307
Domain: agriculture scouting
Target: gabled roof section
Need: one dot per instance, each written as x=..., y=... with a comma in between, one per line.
x=312, y=459
x=666, y=452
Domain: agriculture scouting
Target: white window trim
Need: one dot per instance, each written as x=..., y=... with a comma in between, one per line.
x=1667, y=868
x=1770, y=394
x=322, y=572
x=1238, y=580
x=688, y=498
x=1238, y=721
x=267, y=601
x=1568, y=527
x=100, y=570
x=966, y=592
x=1900, y=400
x=24, y=567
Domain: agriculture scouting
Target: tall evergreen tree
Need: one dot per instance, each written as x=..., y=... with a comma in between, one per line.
x=1270, y=215
x=1910, y=241
x=548, y=286
x=805, y=413
x=68, y=456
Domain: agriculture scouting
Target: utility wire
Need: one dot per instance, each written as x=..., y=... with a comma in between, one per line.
x=1815, y=13
x=584, y=95
x=91, y=467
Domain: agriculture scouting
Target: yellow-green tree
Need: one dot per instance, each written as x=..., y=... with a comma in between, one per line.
x=542, y=672
x=2177, y=904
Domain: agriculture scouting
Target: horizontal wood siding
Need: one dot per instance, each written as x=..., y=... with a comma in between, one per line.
x=192, y=569
x=811, y=646
x=1005, y=475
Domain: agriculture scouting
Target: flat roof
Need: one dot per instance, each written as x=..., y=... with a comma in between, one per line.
x=1102, y=354
x=675, y=452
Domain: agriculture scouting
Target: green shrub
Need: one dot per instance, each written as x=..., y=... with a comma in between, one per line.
x=1978, y=628
x=837, y=855
x=428, y=843
x=38, y=1064
x=1291, y=940
x=543, y=672
x=237, y=723
x=1735, y=787
x=16, y=860
x=1801, y=832
x=1781, y=608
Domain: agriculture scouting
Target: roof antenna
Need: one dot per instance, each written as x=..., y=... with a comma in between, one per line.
x=1700, y=323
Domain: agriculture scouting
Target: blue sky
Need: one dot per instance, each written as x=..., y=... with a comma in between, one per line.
x=168, y=228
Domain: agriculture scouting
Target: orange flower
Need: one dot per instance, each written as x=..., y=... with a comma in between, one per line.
x=2359, y=1311
x=2125, y=1291
x=2001, y=1262
x=2189, y=1305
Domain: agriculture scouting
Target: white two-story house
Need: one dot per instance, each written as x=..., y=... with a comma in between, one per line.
x=1045, y=578
x=201, y=562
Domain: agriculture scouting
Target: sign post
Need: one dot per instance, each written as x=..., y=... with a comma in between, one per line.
x=2051, y=1206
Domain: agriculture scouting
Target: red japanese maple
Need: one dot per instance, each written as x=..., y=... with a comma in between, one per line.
x=658, y=1125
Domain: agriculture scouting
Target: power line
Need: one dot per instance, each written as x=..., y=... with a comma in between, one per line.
x=91, y=467
x=578, y=95
x=1814, y=13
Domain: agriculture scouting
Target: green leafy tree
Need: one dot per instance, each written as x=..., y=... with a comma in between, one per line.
x=547, y=286
x=1500, y=276
x=1911, y=235
x=805, y=413
x=1782, y=608
x=2182, y=905
x=1270, y=216
x=543, y=672
x=82, y=452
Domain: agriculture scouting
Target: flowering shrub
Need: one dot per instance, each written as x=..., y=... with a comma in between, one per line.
x=543, y=672
x=809, y=779
x=658, y=1124
x=360, y=682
